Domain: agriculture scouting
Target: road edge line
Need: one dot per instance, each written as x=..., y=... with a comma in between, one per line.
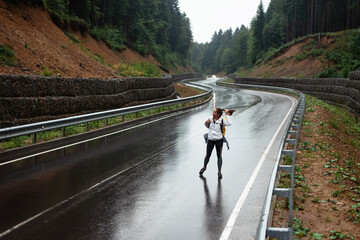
x=231, y=222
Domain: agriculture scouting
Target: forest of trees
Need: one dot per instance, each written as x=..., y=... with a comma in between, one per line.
x=148, y=26
x=284, y=21
x=158, y=27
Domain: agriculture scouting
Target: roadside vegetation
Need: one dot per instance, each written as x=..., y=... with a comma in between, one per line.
x=7, y=55
x=44, y=136
x=138, y=70
x=343, y=57
x=124, y=69
x=73, y=130
x=327, y=181
x=186, y=91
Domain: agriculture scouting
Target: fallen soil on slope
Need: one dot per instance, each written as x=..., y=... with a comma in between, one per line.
x=40, y=47
x=327, y=179
x=285, y=64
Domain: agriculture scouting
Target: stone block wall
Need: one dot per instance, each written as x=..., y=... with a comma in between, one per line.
x=342, y=91
x=179, y=77
x=26, y=99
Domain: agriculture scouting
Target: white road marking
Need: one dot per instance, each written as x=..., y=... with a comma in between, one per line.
x=230, y=224
x=231, y=221
x=88, y=140
x=95, y=185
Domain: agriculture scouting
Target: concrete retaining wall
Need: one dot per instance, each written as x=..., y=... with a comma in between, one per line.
x=26, y=99
x=340, y=91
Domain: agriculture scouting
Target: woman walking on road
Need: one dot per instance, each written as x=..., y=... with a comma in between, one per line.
x=215, y=123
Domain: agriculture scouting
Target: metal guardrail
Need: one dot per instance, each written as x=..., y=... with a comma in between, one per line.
x=293, y=128
x=34, y=128
x=291, y=137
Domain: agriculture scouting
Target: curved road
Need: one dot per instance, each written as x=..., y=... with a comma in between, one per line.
x=143, y=183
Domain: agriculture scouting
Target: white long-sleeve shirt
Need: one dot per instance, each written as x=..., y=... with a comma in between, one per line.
x=215, y=128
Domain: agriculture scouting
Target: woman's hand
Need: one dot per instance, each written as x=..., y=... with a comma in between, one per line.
x=229, y=112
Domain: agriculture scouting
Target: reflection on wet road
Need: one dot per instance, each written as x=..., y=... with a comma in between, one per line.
x=143, y=183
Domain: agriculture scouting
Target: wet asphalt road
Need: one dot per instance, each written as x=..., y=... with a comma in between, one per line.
x=144, y=184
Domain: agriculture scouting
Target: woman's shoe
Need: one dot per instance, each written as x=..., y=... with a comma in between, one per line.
x=202, y=171
x=219, y=175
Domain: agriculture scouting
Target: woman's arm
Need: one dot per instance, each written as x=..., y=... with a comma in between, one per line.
x=207, y=123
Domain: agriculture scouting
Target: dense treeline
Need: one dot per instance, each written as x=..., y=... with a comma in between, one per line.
x=284, y=21
x=149, y=26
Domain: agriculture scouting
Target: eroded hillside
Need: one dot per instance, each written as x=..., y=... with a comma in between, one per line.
x=42, y=48
x=303, y=59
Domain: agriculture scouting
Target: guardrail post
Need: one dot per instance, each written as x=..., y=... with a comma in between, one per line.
x=64, y=131
x=106, y=121
x=87, y=126
x=34, y=138
x=291, y=197
x=281, y=233
x=291, y=170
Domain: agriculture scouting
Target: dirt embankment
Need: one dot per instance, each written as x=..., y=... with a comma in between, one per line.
x=290, y=63
x=39, y=46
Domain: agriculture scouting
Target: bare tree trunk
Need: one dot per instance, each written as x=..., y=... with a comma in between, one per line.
x=328, y=16
x=355, y=16
x=102, y=10
x=92, y=13
x=311, y=23
x=294, y=21
x=308, y=24
x=348, y=15
x=67, y=3
x=108, y=13
x=355, y=21
x=323, y=20
x=315, y=16
x=287, y=28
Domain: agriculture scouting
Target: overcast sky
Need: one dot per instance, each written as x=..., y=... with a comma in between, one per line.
x=208, y=16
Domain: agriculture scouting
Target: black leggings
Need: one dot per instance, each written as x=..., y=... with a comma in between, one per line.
x=210, y=147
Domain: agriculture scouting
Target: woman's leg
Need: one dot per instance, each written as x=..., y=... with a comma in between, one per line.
x=209, y=147
x=219, y=147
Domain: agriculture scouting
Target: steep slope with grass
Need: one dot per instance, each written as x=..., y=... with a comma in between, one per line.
x=317, y=55
x=31, y=44
x=292, y=62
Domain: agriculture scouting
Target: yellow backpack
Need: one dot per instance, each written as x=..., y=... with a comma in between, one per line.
x=222, y=126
